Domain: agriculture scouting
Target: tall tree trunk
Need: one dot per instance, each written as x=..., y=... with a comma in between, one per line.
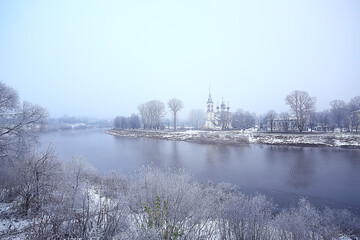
x=174, y=121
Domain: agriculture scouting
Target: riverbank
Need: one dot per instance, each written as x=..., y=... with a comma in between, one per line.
x=343, y=140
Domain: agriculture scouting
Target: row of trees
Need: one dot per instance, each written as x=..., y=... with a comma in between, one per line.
x=152, y=114
x=132, y=122
x=243, y=120
x=152, y=117
x=303, y=114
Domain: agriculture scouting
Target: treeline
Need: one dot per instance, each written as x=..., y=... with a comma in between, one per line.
x=132, y=122
x=152, y=114
x=243, y=119
x=303, y=115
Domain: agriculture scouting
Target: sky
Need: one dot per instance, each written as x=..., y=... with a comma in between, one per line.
x=104, y=58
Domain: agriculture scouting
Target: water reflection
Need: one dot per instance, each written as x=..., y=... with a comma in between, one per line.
x=175, y=157
x=321, y=172
x=301, y=170
x=152, y=153
x=210, y=154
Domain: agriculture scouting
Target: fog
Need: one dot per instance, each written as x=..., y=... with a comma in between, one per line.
x=104, y=58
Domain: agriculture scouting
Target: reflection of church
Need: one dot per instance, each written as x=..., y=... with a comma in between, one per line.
x=217, y=120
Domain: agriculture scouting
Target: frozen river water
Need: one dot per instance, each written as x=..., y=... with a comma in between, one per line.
x=325, y=175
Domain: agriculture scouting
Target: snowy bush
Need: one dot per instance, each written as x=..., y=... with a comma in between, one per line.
x=302, y=222
x=188, y=206
x=72, y=201
x=246, y=217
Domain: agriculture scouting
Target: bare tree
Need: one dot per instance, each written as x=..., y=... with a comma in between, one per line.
x=285, y=119
x=301, y=105
x=354, y=111
x=34, y=179
x=151, y=113
x=122, y=122
x=196, y=117
x=242, y=120
x=144, y=113
x=312, y=120
x=338, y=112
x=9, y=99
x=156, y=110
x=271, y=116
x=18, y=122
x=323, y=119
x=117, y=122
x=262, y=122
x=134, y=121
x=175, y=105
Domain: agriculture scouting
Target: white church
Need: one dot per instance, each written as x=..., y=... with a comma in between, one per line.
x=219, y=119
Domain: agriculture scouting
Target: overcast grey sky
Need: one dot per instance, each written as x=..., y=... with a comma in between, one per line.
x=104, y=58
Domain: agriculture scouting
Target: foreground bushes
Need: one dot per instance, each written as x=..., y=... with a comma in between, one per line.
x=70, y=200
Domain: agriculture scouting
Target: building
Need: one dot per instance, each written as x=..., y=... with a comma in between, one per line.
x=281, y=125
x=219, y=119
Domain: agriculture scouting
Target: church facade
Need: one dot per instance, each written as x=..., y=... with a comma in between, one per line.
x=219, y=119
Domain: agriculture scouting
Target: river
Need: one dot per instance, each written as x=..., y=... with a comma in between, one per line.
x=327, y=176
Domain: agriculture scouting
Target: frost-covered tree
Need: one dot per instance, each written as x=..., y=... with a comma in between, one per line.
x=338, y=113
x=19, y=126
x=313, y=120
x=246, y=217
x=117, y=122
x=271, y=116
x=354, y=112
x=196, y=117
x=151, y=113
x=175, y=105
x=34, y=179
x=285, y=118
x=301, y=106
x=134, y=121
x=323, y=118
x=171, y=203
x=145, y=116
x=299, y=223
x=242, y=120
x=19, y=122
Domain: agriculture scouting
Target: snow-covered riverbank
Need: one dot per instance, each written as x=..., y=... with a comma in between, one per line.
x=345, y=140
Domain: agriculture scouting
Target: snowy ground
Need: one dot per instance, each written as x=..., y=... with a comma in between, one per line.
x=11, y=225
x=345, y=140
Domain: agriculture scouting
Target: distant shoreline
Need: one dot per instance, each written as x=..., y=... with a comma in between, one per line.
x=341, y=140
